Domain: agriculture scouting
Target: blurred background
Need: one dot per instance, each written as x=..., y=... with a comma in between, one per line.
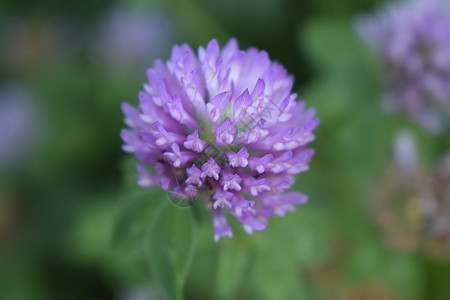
x=70, y=229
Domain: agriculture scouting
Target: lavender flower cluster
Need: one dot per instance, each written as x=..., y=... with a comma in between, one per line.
x=225, y=124
x=412, y=38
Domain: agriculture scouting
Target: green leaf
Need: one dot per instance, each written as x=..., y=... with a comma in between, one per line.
x=128, y=169
x=196, y=22
x=275, y=277
x=232, y=263
x=331, y=45
x=170, y=247
x=134, y=218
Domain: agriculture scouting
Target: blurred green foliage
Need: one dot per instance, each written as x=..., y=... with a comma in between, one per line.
x=74, y=224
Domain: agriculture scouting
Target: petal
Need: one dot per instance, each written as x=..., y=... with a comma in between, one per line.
x=193, y=142
x=145, y=178
x=132, y=118
x=194, y=176
x=239, y=159
x=258, y=90
x=211, y=169
x=257, y=133
x=224, y=133
x=241, y=104
x=221, y=227
x=217, y=106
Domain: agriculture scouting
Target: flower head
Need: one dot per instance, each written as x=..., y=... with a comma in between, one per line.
x=222, y=122
x=412, y=38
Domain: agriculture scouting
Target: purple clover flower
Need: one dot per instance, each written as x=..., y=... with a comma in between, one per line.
x=225, y=124
x=412, y=38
